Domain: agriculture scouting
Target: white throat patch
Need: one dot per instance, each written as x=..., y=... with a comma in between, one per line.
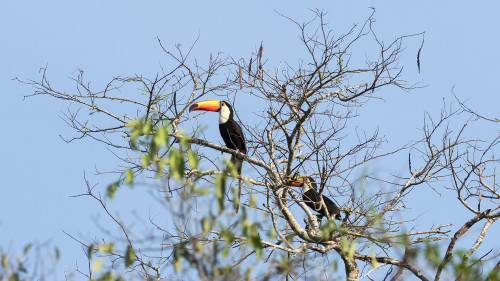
x=306, y=186
x=224, y=114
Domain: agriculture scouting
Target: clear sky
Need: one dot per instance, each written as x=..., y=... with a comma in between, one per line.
x=39, y=171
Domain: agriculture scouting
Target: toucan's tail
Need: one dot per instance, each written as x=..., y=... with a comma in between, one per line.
x=238, y=164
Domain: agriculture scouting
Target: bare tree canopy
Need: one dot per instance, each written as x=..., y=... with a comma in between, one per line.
x=304, y=127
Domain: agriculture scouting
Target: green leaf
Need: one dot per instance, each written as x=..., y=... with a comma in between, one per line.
x=348, y=248
x=133, y=138
x=345, y=245
x=129, y=177
x=252, y=233
x=181, y=166
x=133, y=123
x=160, y=166
x=97, y=265
x=432, y=253
x=248, y=274
x=177, y=260
x=253, y=201
x=27, y=249
x=227, y=235
x=225, y=251
x=328, y=229
x=129, y=256
x=193, y=160
x=14, y=277
x=352, y=248
x=135, y=126
x=176, y=165
x=106, y=248
x=5, y=262
x=184, y=141
x=236, y=200
x=206, y=225
x=202, y=191
x=177, y=264
x=146, y=159
x=374, y=260
x=108, y=276
x=231, y=168
x=112, y=188
x=161, y=137
x=147, y=127
x=272, y=233
x=258, y=252
x=220, y=189
x=198, y=247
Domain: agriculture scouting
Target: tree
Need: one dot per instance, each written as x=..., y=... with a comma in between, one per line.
x=304, y=128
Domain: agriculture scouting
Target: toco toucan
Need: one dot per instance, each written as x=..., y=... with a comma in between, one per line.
x=312, y=199
x=229, y=130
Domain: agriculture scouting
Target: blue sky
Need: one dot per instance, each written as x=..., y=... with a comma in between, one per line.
x=39, y=171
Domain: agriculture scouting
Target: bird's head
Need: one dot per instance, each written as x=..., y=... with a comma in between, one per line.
x=305, y=182
x=297, y=181
x=224, y=109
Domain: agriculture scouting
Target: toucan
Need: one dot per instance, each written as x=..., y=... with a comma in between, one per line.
x=229, y=130
x=312, y=198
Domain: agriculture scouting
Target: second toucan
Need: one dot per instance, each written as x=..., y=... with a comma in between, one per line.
x=312, y=198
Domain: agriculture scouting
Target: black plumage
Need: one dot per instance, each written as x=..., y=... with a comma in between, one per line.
x=312, y=198
x=231, y=132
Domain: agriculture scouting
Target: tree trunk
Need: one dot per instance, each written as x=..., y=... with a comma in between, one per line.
x=351, y=267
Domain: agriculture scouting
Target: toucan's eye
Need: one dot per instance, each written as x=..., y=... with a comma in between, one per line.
x=223, y=104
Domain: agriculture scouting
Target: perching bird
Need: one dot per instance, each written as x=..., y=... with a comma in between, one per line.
x=312, y=199
x=229, y=130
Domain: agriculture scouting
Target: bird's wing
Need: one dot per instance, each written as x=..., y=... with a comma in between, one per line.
x=237, y=138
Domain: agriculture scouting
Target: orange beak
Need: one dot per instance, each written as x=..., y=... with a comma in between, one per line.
x=208, y=105
x=297, y=182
